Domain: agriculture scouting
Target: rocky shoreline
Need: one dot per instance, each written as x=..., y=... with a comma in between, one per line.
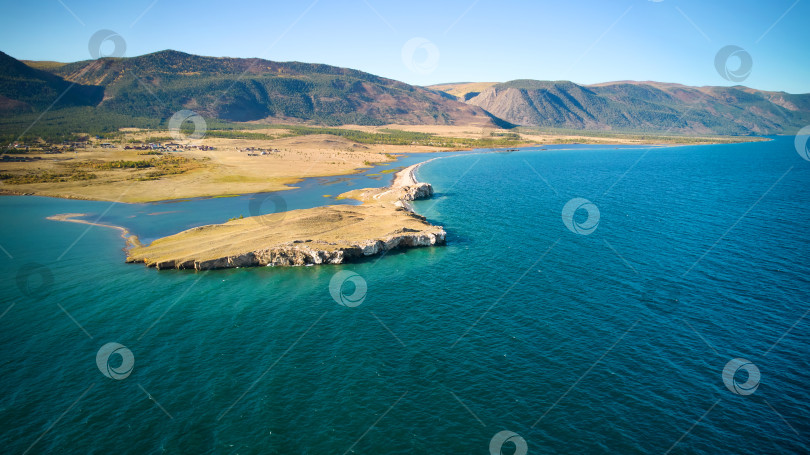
x=323, y=235
x=304, y=253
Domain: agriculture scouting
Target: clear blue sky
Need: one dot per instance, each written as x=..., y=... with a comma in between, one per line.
x=468, y=40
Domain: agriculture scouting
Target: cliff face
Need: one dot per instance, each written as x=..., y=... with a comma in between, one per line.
x=417, y=191
x=308, y=253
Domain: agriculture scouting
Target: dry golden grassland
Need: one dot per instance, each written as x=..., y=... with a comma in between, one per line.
x=115, y=174
x=322, y=228
x=91, y=173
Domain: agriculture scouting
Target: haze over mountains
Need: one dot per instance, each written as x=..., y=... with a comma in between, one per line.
x=233, y=89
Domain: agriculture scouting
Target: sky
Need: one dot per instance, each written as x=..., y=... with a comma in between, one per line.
x=429, y=42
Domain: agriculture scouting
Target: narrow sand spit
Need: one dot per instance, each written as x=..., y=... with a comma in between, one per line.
x=131, y=240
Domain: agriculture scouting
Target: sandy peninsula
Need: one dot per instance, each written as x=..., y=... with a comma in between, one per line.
x=322, y=235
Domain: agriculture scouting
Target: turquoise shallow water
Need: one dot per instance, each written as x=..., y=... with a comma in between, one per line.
x=610, y=342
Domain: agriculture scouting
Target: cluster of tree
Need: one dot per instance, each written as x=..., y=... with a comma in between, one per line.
x=67, y=124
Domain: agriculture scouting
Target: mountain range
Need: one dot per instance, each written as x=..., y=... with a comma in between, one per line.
x=236, y=89
x=638, y=106
x=231, y=89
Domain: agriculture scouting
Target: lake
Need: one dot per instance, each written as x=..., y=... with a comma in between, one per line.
x=590, y=299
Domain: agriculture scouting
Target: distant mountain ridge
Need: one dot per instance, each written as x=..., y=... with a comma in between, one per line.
x=237, y=89
x=638, y=106
x=155, y=86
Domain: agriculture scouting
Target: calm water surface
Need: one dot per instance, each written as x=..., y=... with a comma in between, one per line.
x=611, y=342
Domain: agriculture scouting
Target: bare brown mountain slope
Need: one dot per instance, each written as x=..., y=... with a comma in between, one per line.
x=640, y=106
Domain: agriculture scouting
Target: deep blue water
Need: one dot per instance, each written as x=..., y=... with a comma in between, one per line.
x=612, y=342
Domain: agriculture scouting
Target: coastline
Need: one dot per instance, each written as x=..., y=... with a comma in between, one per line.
x=407, y=176
x=323, y=235
x=404, y=187
x=228, y=172
x=293, y=247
